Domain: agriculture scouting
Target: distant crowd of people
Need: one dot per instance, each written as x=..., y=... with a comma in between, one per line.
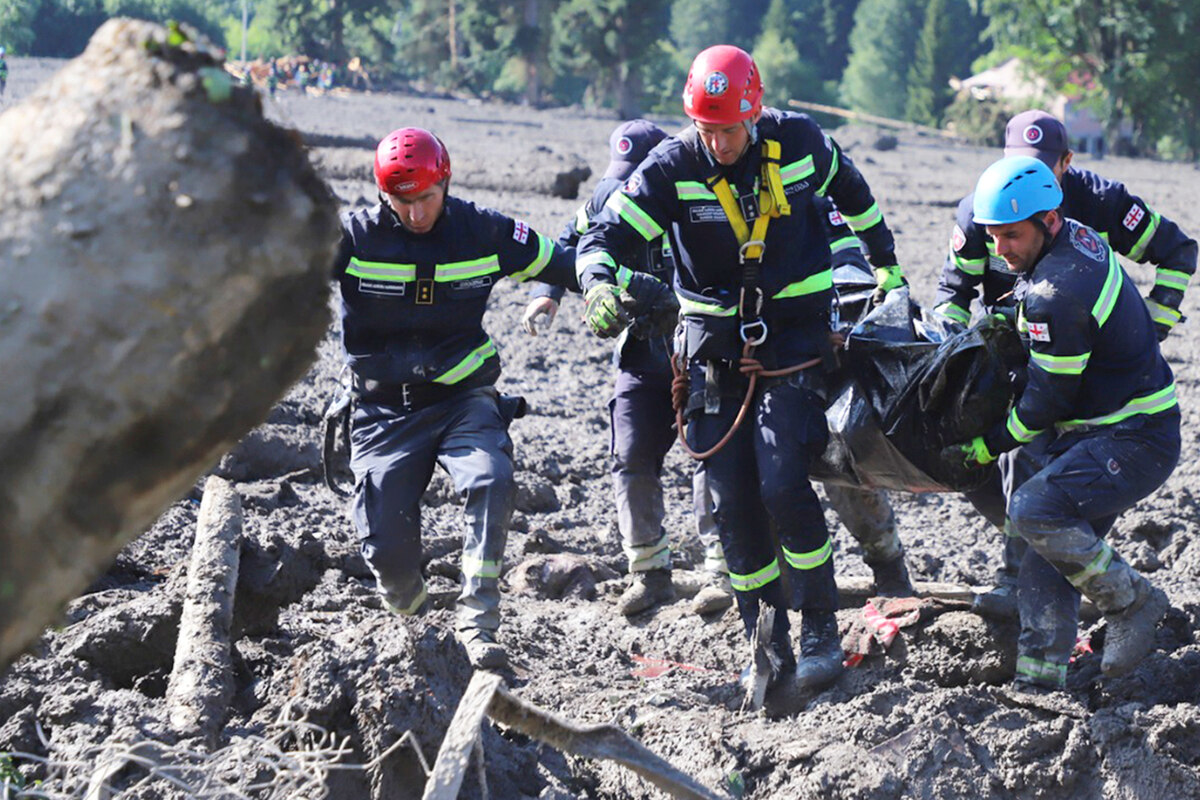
x=302, y=73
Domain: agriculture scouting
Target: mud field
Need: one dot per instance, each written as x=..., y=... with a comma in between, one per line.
x=931, y=717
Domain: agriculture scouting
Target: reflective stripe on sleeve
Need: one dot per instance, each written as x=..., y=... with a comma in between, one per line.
x=1139, y=248
x=1171, y=279
x=1018, y=430
x=1107, y=300
x=545, y=250
x=861, y=222
x=629, y=211
x=1060, y=365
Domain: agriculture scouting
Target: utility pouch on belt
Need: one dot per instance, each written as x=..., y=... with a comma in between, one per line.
x=335, y=421
x=711, y=338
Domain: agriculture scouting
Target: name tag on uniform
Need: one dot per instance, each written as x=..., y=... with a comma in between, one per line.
x=385, y=288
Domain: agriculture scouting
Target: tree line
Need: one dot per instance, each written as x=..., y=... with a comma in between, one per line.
x=1132, y=62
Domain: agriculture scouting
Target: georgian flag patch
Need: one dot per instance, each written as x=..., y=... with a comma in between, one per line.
x=1134, y=216
x=835, y=218
x=521, y=232
x=1039, y=331
x=957, y=239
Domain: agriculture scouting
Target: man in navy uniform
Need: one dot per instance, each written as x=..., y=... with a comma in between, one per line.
x=734, y=195
x=1097, y=423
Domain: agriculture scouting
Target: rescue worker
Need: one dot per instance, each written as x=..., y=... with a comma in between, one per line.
x=733, y=193
x=1097, y=423
x=972, y=267
x=415, y=272
x=3, y=71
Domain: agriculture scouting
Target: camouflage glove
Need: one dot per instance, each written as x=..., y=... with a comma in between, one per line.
x=604, y=312
x=970, y=454
x=1165, y=318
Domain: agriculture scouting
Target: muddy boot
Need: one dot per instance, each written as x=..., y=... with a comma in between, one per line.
x=999, y=604
x=646, y=590
x=717, y=595
x=1130, y=635
x=891, y=578
x=483, y=651
x=821, y=653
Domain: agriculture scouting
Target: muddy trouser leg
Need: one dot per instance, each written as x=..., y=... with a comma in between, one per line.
x=393, y=458
x=868, y=515
x=641, y=417
x=706, y=526
x=1063, y=511
x=990, y=500
x=790, y=431
x=477, y=453
x=739, y=516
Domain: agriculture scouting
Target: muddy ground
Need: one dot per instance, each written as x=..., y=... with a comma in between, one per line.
x=930, y=718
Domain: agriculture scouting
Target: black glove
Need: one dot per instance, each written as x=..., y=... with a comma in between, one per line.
x=652, y=304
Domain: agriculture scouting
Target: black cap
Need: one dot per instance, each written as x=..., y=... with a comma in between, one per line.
x=629, y=143
x=1038, y=134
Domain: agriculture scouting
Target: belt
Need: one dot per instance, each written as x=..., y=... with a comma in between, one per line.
x=407, y=396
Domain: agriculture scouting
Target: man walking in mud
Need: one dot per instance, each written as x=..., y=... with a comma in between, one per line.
x=415, y=272
x=1097, y=424
x=754, y=280
x=1131, y=228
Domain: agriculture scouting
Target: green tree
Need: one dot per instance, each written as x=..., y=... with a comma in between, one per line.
x=882, y=47
x=786, y=53
x=16, y=24
x=950, y=41
x=835, y=22
x=698, y=24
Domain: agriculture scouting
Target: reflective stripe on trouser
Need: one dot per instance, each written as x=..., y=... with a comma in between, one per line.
x=868, y=515
x=1076, y=487
x=641, y=417
x=758, y=478
x=393, y=457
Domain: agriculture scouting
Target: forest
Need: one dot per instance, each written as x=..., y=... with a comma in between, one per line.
x=1133, y=63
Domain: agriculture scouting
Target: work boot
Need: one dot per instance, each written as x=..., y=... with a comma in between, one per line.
x=1130, y=634
x=646, y=590
x=716, y=595
x=891, y=578
x=821, y=655
x=483, y=651
x=999, y=604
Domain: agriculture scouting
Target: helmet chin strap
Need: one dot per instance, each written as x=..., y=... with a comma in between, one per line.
x=1047, y=239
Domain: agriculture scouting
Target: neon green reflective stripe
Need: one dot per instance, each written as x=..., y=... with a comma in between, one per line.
x=631, y=213
x=595, y=257
x=833, y=168
x=755, y=580
x=461, y=270
x=689, y=306
x=811, y=559
x=1139, y=248
x=797, y=170
x=969, y=266
x=844, y=243
x=1042, y=671
x=1171, y=279
x=1155, y=403
x=860, y=222
x=412, y=607
x=693, y=190
x=479, y=568
x=1163, y=315
x=1018, y=430
x=649, y=556
x=954, y=312
x=624, y=275
x=474, y=360
x=1098, y=566
x=545, y=250
x=1107, y=300
x=1060, y=365
x=813, y=283
x=581, y=220
x=382, y=271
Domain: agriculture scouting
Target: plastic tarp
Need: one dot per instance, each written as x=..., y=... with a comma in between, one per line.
x=907, y=387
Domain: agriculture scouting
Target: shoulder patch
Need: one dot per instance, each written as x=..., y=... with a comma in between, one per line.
x=1134, y=216
x=1087, y=242
x=835, y=218
x=633, y=184
x=1039, y=331
x=520, y=232
x=957, y=238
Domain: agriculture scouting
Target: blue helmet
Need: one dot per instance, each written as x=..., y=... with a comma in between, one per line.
x=1014, y=189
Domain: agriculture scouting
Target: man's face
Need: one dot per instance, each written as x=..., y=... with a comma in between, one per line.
x=1018, y=243
x=419, y=211
x=726, y=143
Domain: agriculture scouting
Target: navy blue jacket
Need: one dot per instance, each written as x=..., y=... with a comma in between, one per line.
x=1094, y=357
x=412, y=304
x=1129, y=226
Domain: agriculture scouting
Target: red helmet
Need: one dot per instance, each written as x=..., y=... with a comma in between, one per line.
x=410, y=160
x=723, y=87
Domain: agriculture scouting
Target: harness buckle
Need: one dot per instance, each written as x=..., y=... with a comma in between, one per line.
x=751, y=243
x=754, y=332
